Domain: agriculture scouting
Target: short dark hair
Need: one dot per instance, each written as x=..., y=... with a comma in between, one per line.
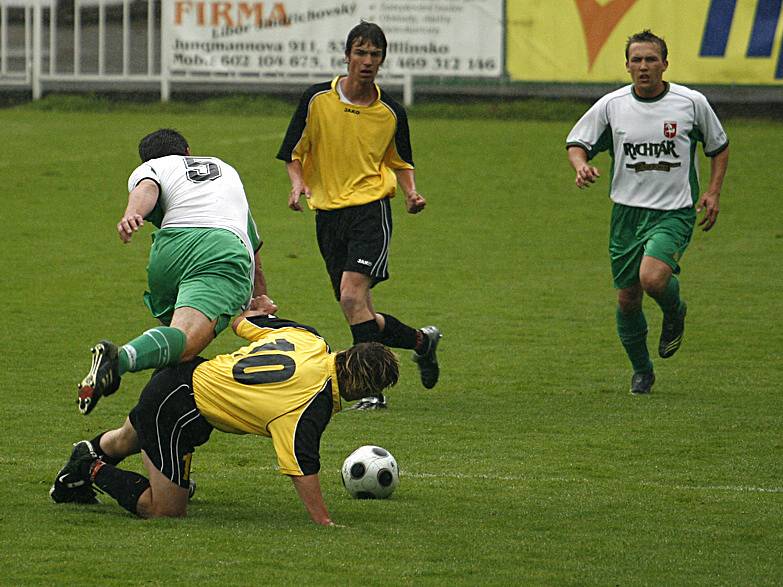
x=160, y=143
x=366, y=31
x=647, y=36
x=366, y=369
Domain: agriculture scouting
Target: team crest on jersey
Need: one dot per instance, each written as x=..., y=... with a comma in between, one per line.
x=669, y=129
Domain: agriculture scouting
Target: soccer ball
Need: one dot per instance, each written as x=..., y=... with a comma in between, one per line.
x=370, y=472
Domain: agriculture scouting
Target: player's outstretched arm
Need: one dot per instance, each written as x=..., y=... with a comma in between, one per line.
x=309, y=489
x=585, y=173
x=710, y=200
x=141, y=201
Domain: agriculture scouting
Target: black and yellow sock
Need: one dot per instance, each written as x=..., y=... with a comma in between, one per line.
x=632, y=330
x=157, y=347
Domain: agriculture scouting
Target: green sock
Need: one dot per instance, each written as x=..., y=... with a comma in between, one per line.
x=632, y=329
x=669, y=301
x=158, y=347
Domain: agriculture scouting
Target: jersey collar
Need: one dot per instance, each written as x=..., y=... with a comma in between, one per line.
x=337, y=93
x=654, y=98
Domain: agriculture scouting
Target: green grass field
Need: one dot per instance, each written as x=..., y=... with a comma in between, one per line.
x=529, y=464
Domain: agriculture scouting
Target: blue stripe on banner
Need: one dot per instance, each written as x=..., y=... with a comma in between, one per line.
x=763, y=35
x=716, y=30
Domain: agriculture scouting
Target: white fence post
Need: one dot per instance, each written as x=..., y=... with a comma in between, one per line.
x=407, y=89
x=37, y=50
x=77, y=38
x=52, y=37
x=165, y=80
x=3, y=39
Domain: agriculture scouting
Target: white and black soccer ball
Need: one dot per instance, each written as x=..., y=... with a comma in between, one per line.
x=370, y=472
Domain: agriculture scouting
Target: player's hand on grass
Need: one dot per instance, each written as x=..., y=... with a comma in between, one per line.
x=129, y=224
x=708, y=203
x=296, y=192
x=585, y=175
x=415, y=202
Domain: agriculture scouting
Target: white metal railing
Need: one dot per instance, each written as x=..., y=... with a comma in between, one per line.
x=107, y=57
x=18, y=49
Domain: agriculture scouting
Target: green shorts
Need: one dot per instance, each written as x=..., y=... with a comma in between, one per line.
x=636, y=232
x=208, y=269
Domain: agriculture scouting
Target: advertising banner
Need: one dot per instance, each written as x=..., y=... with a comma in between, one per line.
x=710, y=41
x=425, y=37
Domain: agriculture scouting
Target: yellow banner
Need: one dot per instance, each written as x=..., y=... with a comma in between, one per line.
x=709, y=41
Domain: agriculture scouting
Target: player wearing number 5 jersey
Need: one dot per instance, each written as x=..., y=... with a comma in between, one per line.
x=651, y=129
x=204, y=263
x=285, y=384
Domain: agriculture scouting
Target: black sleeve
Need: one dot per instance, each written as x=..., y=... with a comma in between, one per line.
x=271, y=321
x=299, y=121
x=310, y=428
x=402, y=136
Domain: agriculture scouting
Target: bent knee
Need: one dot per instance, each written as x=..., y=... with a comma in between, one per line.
x=153, y=510
x=654, y=275
x=148, y=507
x=654, y=283
x=350, y=301
x=190, y=354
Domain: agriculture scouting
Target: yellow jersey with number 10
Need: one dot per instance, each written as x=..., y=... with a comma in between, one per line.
x=264, y=388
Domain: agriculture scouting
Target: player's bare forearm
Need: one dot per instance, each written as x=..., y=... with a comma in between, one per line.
x=141, y=201
x=710, y=200
x=414, y=201
x=259, y=280
x=576, y=156
x=718, y=166
x=309, y=489
x=298, y=186
x=585, y=173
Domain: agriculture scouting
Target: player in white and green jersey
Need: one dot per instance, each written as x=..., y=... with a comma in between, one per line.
x=651, y=129
x=203, y=267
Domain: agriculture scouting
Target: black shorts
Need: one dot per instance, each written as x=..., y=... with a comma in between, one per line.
x=356, y=239
x=168, y=422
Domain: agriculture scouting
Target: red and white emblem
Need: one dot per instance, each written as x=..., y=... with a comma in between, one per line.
x=669, y=129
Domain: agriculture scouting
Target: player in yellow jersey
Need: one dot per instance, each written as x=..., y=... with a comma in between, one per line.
x=346, y=149
x=285, y=384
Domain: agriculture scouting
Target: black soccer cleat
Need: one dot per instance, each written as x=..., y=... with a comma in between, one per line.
x=72, y=484
x=428, y=362
x=372, y=402
x=103, y=378
x=641, y=383
x=672, y=332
